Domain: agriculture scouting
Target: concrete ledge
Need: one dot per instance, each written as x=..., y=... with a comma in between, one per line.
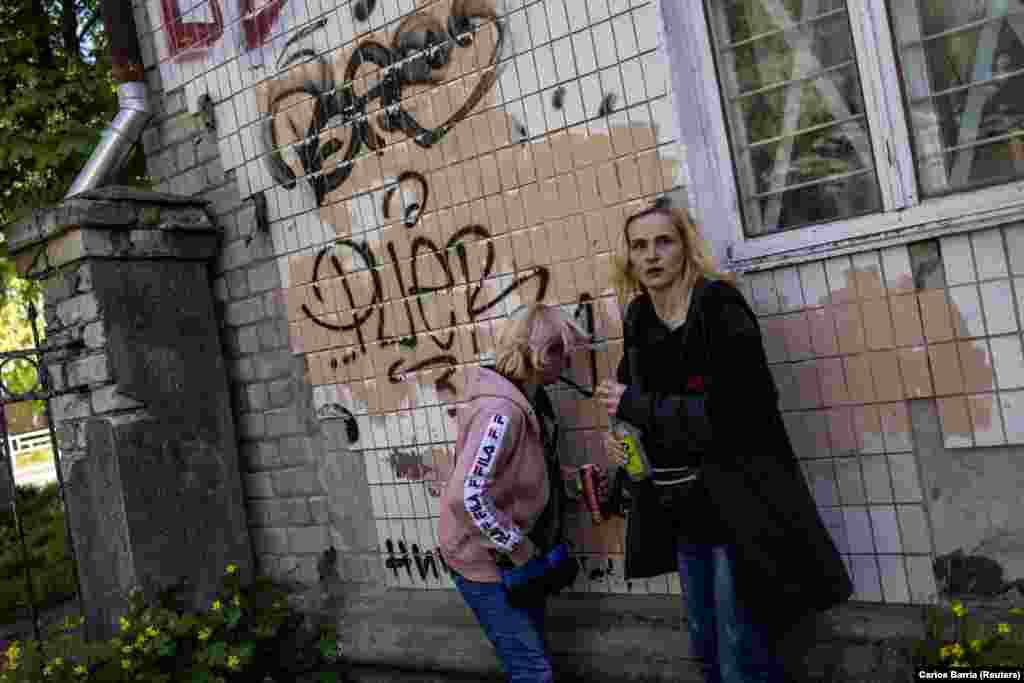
x=398, y=635
x=405, y=633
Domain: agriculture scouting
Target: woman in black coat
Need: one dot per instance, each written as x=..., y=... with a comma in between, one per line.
x=727, y=505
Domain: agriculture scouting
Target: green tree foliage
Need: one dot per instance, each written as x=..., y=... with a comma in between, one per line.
x=56, y=97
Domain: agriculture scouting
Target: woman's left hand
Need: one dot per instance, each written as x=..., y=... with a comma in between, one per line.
x=610, y=393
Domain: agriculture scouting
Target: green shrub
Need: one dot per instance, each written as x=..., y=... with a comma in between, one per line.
x=954, y=638
x=42, y=520
x=247, y=633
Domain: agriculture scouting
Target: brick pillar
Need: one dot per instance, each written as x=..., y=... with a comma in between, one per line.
x=147, y=438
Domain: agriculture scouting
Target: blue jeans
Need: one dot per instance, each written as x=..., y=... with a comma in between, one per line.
x=517, y=634
x=731, y=647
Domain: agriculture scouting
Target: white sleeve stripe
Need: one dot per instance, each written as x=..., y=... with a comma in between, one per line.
x=502, y=531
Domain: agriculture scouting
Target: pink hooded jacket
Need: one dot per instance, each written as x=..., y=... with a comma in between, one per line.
x=499, y=486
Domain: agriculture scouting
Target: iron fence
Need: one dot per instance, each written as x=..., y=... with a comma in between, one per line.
x=13, y=526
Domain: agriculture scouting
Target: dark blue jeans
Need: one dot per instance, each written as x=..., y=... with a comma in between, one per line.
x=732, y=648
x=517, y=634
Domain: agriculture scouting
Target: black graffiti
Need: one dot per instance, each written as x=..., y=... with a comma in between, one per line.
x=607, y=105
x=420, y=46
x=362, y=9
x=558, y=97
x=421, y=245
x=412, y=212
x=425, y=563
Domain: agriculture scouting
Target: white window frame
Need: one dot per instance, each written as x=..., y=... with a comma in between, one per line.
x=713, y=185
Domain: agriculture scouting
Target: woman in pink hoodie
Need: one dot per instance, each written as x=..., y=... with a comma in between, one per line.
x=498, y=506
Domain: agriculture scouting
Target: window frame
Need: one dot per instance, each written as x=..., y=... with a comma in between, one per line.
x=713, y=185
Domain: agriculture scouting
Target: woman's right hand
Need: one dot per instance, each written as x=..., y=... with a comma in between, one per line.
x=615, y=450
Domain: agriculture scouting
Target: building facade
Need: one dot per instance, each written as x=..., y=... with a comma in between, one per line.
x=394, y=177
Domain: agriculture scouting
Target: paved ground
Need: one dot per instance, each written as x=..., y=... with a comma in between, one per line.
x=35, y=475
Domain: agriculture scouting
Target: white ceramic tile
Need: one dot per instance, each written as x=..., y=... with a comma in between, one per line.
x=655, y=74
x=508, y=83
x=922, y=580
x=1015, y=247
x=851, y=482
x=536, y=123
x=787, y=283
x=611, y=84
x=839, y=271
x=625, y=36
x=989, y=254
x=886, y=529
x=633, y=79
x=598, y=10
x=858, y=530
x=869, y=266
x=583, y=49
x=821, y=479
x=604, y=42
x=906, y=482
x=957, y=259
x=914, y=529
x=812, y=277
x=538, y=20
x=519, y=30
x=965, y=303
x=895, y=589
x=766, y=297
x=832, y=518
x=1008, y=361
x=876, y=479
x=527, y=71
x=986, y=420
x=578, y=16
x=1012, y=403
x=997, y=300
x=646, y=21
x=590, y=93
x=866, y=581
x=565, y=62
x=547, y=74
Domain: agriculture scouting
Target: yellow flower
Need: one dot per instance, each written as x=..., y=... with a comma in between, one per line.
x=232, y=568
x=47, y=670
x=59, y=661
x=204, y=634
x=152, y=631
x=80, y=670
x=233, y=662
x=127, y=649
x=13, y=650
x=946, y=652
x=958, y=608
x=216, y=605
x=957, y=650
x=125, y=624
x=1017, y=611
x=1004, y=628
x=976, y=645
x=126, y=663
x=236, y=601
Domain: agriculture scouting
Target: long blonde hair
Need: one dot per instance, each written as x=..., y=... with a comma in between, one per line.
x=697, y=253
x=524, y=345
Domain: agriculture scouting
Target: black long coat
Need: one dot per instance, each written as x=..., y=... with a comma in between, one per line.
x=787, y=563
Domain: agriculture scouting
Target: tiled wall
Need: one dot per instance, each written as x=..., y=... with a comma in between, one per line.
x=852, y=340
x=358, y=282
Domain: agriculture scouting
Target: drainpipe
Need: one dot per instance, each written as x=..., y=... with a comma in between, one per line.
x=134, y=109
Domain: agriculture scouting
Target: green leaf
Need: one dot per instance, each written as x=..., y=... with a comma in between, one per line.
x=247, y=649
x=328, y=648
x=232, y=614
x=327, y=677
x=217, y=651
x=201, y=677
x=168, y=647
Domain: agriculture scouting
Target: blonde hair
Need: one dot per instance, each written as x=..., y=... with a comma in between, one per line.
x=526, y=339
x=696, y=254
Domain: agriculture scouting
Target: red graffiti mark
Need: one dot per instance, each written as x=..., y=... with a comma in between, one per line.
x=191, y=39
x=257, y=25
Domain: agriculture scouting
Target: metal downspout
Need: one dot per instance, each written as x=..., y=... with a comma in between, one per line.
x=134, y=108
